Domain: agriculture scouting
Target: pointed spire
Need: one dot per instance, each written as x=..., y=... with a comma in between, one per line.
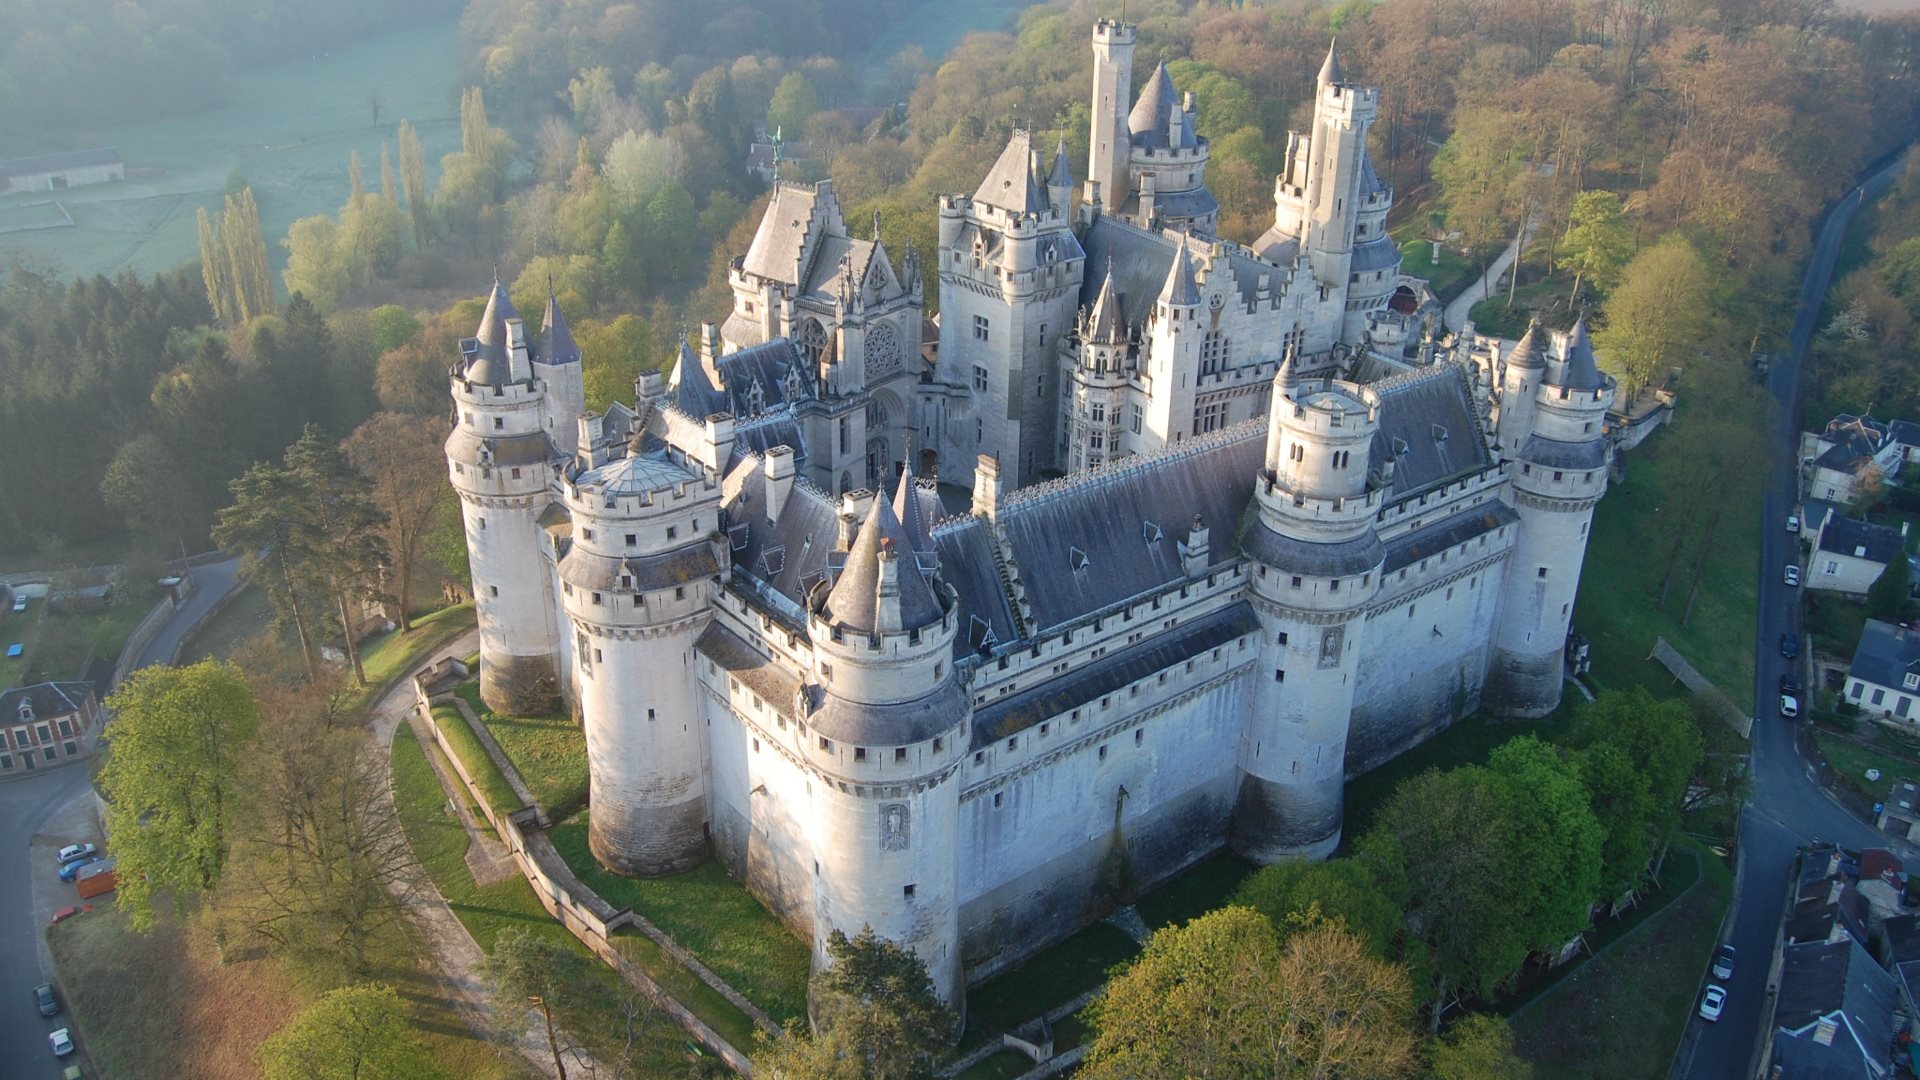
x=1526, y=354
x=1105, y=324
x=1330, y=70
x=1582, y=370
x=1180, y=290
x=871, y=594
x=907, y=507
x=556, y=341
x=693, y=392
x=1062, y=176
x=490, y=364
x=1148, y=120
x=1287, y=379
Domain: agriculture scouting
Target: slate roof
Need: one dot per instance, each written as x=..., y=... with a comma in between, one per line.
x=1179, y=289
x=1886, y=654
x=1855, y=439
x=1837, y=982
x=1195, y=202
x=1447, y=534
x=527, y=448
x=1555, y=454
x=1153, y=112
x=1011, y=184
x=1330, y=68
x=1904, y=432
x=1527, y=352
x=1054, y=697
x=489, y=365
x=1097, y=539
x=1104, y=322
x=856, y=596
x=1579, y=370
x=788, y=557
x=781, y=239
x=1862, y=540
x=1428, y=424
x=775, y=684
x=556, y=341
x=1139, y=263
x=693, y=389
x=52, y=163
x=1379, y=253
x=1370, y=182
x=1062, y=174
x=647, y=470
x=49, y=700
x=966, y=550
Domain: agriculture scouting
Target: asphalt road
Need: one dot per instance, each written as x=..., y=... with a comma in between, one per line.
x=1788, y=808
x=26, y=805
x=213, y=582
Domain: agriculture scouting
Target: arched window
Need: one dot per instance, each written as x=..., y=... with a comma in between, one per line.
x=813, y=340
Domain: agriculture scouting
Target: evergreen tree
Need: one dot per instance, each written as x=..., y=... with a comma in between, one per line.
x=1889, y=592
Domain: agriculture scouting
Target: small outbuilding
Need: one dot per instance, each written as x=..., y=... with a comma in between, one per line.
x=57, y=172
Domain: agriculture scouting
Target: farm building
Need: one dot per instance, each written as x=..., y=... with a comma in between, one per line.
x=54, y=172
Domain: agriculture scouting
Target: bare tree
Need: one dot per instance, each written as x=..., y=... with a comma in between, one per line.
x=402, y=457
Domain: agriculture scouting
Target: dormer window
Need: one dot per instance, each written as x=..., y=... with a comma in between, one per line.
x=1912, y=682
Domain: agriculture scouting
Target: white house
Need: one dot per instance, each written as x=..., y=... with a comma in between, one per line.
x=55, y=172
x=1848, y=452
x=1884, y=679
x=1849, y=555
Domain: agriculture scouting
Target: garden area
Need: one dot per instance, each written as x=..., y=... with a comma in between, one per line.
x=56, y=645
x=1447, y=276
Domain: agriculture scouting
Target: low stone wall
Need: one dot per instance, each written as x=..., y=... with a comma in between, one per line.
x=142, y=634
x=581, y=910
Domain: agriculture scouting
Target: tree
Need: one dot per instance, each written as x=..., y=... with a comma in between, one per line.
x=216, y=271
x=1890, y=591
x=1598, y=241
x=638, y=165
x=539, y=969
x=1359, y=892
x=413, y=184
x=343, y=526
x=319, y=264
x=1661, y=737
x=876, y=1017
x=1554, y=842
x=1477, y=1047
x=265, y=525
x=178, y=736
x=1657, y=316
x=1622, y=803
x=321, y=867
x=247, y=253
x=357, y=1032
x=794, y=103
x=406, y=464
x=1223, y=997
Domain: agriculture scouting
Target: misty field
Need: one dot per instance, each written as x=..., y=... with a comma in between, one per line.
x=287, y=129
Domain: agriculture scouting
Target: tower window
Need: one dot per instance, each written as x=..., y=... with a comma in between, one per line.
x=826, y=743
x=899, y=754
x=1139, y=736
x=1283, y=638
x=498, y=423
x=1279, y=675
x=516, y=474
x=979, y=377
x=672, y=533
x=907, y=891
x=981, y=331
x=1138, y=415
x=1542, y=572
x=1296, y=581
x=859, y=753
x=999, y=797
x=493, y=590
x=632, y=539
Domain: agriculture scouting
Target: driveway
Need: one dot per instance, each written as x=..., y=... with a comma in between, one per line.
x=1788, y=807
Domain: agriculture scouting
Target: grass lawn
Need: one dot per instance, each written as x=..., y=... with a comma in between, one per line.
x=549, y=751
x=1835, y=621
x=465, y=745
x=712, y=917
x=441, y=844
x=1548, y=296
x=1622, y=1013
x=388, y=656
x=288, y=129
x=1002, y=1065
x=247, y=616
x=1850, y=762
x=57, y=645
x=1201, y=888
x=1621, y=584
x=1052, y=977
x=1448, y=276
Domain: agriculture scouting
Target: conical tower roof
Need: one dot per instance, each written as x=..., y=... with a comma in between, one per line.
x=1062, y=175
x=864, y=585
x=1287, y=379
x=907, y=507
x=1152, y=112
x=1582, y=369
x=1527, y=354
x=1105, y=323
x=1330, y=74
x=489, y=363
x=1180, y=290
x=556, y=341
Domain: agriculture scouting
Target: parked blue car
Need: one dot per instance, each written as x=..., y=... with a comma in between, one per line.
x=72, y=869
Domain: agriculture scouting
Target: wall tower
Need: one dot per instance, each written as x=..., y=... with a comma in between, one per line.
x=500, y=459
x=1342, y=115
x=1317, y=568
x=1110, y=144
x=638, y=581
x=886, y=737
x=1552, y=432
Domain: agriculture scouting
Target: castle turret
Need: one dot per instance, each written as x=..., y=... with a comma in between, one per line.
x=500, y=456
x=1342, y=114
x=887, y=737
x=638, y=582
x=556, y=368
x=1557, y=465
x=1060, y=180
x=1090, y=420
x=1173, y=351
x=1110, y=143
x=1010, y=274
x=1317, y=567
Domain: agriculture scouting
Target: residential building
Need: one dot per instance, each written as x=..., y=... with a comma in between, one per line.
x=46, y=724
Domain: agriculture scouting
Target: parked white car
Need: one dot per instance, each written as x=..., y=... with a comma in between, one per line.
x=1793, y=575
x=1713, y=1002
x=1793, y=523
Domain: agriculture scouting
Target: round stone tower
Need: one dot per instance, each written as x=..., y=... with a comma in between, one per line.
x=887, y=733
x=501, y=462
x=1316, y=567
x=637, y=583
x=1556, y=450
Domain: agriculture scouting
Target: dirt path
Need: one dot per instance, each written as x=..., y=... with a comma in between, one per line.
x=457, y=972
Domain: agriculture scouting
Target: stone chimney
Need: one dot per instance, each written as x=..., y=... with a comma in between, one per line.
x=854, y=507
x=519, y=364
x=779, y=480
x=986, y=486
x=1194, y=554
x=886, y=605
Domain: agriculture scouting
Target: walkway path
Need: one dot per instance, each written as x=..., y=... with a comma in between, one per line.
x=1460, y=309
x=457, y=972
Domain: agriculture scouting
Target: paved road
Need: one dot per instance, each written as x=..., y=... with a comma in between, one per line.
x=26, y=806
x=1788, y=808
x=212, y=582
x=1461, y=307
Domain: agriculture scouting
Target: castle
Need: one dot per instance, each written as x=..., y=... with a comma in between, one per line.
x=1238, y=530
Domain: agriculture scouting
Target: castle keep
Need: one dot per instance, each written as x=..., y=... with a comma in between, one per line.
x=1238, y=530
